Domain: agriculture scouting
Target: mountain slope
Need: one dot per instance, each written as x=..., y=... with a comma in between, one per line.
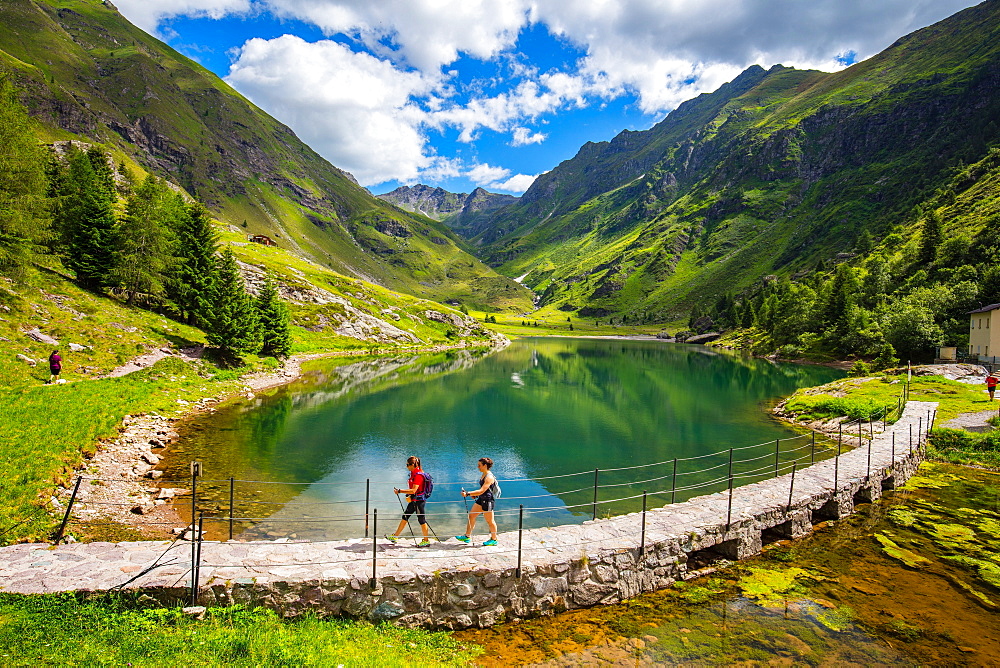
x=774, y=173
x=90, y=74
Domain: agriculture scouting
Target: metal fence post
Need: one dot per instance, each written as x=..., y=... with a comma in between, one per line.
x=196, y=558
x=836, y=470
x=195, y=470
x=791, y=489
x=893, y=448
x=371, y=583
x=368, y=483
x=69, y=509
x=520, y=530
x=642, y=538
x=868, y=470
x=729, y=510
x=673, y=483
x=232, y=494
x=920, y=430
x=594, y=513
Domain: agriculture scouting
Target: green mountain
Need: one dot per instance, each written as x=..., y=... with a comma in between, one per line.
x=780, y=172
x=88, y=74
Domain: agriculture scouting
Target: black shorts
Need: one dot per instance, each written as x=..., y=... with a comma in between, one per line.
x=416, y=506
x=486, y=502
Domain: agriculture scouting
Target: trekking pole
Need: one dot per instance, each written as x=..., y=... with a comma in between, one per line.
x=408, y=525
x=466, y=499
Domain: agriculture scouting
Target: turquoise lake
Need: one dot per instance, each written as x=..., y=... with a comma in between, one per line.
x=548, y=411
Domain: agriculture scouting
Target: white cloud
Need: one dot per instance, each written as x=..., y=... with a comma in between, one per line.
x=425, y=33
x=515, y=184
x=147, y=14
x=524, y=137
x=354, y=109
x=483, y=174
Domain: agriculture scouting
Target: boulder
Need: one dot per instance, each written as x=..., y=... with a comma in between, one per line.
x=703, y=338
x=77, y=348
x=36, y=335
x=27, y=360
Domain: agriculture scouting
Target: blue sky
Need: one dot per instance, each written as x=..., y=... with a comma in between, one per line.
x=491, y=93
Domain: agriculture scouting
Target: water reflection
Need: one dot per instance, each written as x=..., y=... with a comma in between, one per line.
x=540, y=408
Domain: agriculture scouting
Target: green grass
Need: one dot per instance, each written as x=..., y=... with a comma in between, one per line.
x=49, y=429
x=110, y=631
x=861, y=398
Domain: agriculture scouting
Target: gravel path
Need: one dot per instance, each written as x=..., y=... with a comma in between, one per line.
x=972, y=421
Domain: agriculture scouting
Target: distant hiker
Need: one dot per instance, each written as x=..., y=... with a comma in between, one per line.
x=55, y=366
x=485, y=502
x=417, y=493
x=991, y=384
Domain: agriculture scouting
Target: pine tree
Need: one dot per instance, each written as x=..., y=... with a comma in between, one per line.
x=273, y=315
x=88, y=219
x=233, y=326
x=192, y=281
x=930, y=238
x=144, y=238
x=24, y=216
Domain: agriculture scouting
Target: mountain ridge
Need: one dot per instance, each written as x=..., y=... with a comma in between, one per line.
x=88, y=74
x=774, y=173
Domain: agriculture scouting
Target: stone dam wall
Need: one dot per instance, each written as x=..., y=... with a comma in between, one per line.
x=452, y=585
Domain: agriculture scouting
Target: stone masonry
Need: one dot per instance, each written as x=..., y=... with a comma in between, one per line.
x=451, y=585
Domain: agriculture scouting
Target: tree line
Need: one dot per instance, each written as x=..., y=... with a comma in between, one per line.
x=896, y=299
x=143, y=240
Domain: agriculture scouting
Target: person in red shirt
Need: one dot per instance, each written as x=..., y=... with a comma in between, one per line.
x=991, y=384
x=417, y=501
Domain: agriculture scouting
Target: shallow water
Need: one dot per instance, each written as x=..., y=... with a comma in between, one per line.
x=841, y=596
x=541, y=408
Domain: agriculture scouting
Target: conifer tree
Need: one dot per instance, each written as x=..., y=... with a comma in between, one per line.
x=930, y=238
x=88, y=219
x=273, y=315
x=233, y=326
x=192, y=282
x=144, y=238
x=24, y=216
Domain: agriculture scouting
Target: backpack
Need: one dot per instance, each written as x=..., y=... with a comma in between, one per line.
x=428, y=486
x=495, y=488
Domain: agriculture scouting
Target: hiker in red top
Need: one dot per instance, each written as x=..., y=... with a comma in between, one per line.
x=417, y=499
x=991, y=384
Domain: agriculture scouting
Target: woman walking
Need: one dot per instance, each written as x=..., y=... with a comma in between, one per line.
x=55, y=367
x=485, y=502
x=416, y=494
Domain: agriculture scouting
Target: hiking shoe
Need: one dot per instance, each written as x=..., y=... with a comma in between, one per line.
x=490, y=542
x=424, y=543
x=392, y=539
x=462, y=539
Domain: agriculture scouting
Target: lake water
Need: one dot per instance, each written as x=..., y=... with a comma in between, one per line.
x=547, y=411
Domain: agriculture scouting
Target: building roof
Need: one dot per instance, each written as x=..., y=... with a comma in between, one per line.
x=991, y=307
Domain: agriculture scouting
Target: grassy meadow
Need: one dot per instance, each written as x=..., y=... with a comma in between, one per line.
x=119, y=631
